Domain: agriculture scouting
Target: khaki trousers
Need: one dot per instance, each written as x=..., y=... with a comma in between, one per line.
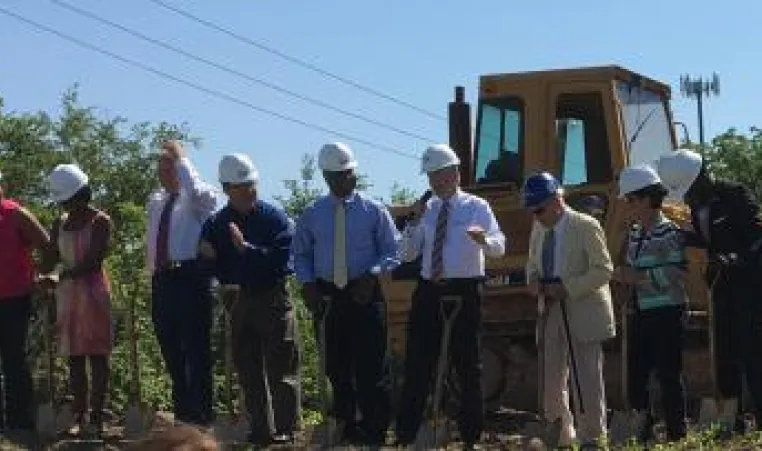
x=559, y=380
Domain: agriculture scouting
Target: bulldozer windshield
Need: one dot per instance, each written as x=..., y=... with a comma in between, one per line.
x=500, y=141
x=647, y=126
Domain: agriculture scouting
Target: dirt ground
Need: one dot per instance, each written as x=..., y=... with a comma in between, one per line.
x=502, y=431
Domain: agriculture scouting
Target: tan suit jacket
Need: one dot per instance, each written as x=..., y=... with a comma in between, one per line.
x=585, y=270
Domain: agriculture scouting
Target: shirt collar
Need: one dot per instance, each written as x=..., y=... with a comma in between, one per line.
x=562, y=221
x=453, y=200
x=346, y=201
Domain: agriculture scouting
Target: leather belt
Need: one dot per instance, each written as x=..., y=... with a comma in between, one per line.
x=173, y=265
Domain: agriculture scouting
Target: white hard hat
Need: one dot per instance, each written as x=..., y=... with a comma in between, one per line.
x=238, y=168
x=637, y=177
x=438, y=156
x=678, y=170
x=65, y=181
x=336, y=157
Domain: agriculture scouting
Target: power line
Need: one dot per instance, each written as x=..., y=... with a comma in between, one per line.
x=295, y=60
x=240, y=74
x=212, y=92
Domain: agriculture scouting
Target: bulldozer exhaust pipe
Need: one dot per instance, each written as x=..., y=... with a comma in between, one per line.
x=459, y=118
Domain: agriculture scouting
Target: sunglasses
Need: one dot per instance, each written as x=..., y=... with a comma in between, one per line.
x=539, y=210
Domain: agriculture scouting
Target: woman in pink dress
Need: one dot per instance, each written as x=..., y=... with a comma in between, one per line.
x=80, y=238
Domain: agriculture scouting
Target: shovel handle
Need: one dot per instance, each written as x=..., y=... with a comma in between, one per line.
x=449, y=307
x=229, y=294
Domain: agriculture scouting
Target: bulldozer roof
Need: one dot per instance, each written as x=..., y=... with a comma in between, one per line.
x=580, y=74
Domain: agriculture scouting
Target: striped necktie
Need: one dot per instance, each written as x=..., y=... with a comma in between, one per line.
x=437, y=263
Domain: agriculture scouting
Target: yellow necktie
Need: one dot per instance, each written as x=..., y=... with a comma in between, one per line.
x=340, y=247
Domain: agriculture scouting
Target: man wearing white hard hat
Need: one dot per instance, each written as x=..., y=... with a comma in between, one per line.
x=654, y=270
x=20, y=234
x=454, y=232
x=248, y=243
x=80, y=240
x=181, y=306
x=726, y=222
x=344, y=242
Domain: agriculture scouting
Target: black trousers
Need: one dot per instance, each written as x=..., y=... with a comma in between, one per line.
x=356, y=360
x=16, y=386
x=182, y=318
x=266, y=356
x=422, y=351
x=655, y=344
x=737, y=316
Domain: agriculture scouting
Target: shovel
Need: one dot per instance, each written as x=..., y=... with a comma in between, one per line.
x=47, y=423
x=139, y=418
x=435, y=433
x=327, y=433
x=715, y=410
x=229, y=427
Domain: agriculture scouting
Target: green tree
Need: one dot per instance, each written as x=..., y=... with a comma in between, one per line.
x=402, y=195
x=738, y=156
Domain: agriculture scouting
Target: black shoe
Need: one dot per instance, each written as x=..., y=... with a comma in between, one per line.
x=354, y=434
x=282, y=439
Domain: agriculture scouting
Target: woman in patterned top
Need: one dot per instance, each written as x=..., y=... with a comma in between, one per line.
x=655, y=265
x=80, y=239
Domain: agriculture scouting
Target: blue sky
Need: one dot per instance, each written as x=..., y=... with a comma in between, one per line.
x=413, y=50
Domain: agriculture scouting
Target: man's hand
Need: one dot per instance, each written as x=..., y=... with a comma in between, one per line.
x=478, y=234
x=364, y=288
x=626, y=275
x=555, y=291
x=206, y=250
x=47, y=283
x=533, y=289
x=173, y=149
x=418, y=209
x=237, y=236
x=312, y=298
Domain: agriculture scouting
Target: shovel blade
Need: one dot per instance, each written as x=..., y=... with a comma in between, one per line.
x=327, y=433
x=138, y=422
x=229, y=429
x=46, y=421
x=549, y=433
x=433, y=434
x=624, y=426
x=714, y=412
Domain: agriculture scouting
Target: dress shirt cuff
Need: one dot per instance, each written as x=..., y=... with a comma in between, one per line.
x=256, y=249
x=493, y=246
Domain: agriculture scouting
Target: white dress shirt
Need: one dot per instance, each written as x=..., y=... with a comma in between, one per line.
x=195, y=203
x=462, y=256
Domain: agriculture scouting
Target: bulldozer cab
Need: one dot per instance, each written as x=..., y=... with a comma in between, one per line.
x=582, y=125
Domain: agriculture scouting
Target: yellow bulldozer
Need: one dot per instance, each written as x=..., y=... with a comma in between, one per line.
x=584, y=125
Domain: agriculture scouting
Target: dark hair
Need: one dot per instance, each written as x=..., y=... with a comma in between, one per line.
x=654, y=193
x=84, y=196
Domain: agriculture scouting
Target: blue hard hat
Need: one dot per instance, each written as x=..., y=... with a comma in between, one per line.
x=538, y=188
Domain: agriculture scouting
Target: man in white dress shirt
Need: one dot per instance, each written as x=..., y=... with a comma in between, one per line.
x=182, y=301
x=453, y=232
